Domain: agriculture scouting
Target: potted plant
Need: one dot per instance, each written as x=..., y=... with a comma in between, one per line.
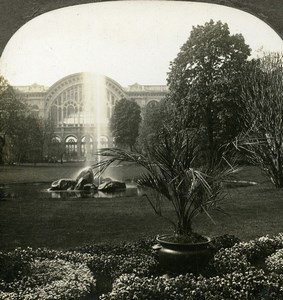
x=173, y=172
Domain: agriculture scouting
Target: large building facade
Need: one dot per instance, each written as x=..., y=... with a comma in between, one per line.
x=80, y=105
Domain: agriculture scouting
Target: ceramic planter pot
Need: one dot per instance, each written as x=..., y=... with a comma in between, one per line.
x=183, y=257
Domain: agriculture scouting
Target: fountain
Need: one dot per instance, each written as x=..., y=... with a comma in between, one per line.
x=86, y=182
x=93, y=120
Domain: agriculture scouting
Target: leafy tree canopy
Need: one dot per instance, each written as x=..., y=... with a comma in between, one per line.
x=124, y=123
x=16, y=122
x=262, y=96
x=204, y=82
x=154, y=118
x=211, y=56
x=11, y=109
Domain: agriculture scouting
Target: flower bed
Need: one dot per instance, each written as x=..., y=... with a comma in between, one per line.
x=42, y=274
x=239, y=270
x=125, y=258
x=234, y=273
x=243, y=255
x=253, y=285
x=274, y=262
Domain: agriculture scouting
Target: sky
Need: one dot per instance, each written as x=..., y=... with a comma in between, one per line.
x=129, y=41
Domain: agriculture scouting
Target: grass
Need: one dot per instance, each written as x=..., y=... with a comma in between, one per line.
x=252, y=211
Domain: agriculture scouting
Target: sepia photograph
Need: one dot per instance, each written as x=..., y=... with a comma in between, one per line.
x=141, y=150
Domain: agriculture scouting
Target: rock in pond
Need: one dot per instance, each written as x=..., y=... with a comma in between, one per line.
x=85, y=178
x=80, y=184
x=89, y=187
x=87, y=175
x=63, y=184
x=112, y=186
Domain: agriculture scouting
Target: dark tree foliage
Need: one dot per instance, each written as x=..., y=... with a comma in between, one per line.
x=23, y=137
x=11, y=109
x=262, y=95
x=204, y=83
x=124, y=123
x=154, y=118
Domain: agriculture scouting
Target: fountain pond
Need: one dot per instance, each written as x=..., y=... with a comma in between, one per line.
x=43, y=191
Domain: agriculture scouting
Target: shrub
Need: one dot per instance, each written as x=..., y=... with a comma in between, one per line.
x=143, y=246
x=124, y=258
x=252, y=285
x=235, y=274
x=274, y=262
x=243, y=255
x=48, y=276
x=114, y=265
x=12, y=266
x=225, y=241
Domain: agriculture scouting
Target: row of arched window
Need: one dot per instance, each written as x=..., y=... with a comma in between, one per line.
x=83, y=147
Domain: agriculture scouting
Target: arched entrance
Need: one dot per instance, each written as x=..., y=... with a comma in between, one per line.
x=87, y=149
x=103, y=142
x=71, y=147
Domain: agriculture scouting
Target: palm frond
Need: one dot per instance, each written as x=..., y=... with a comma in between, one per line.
x=155, y=183
x=168, y=173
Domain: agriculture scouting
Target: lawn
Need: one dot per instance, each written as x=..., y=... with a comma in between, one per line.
x=35, y=221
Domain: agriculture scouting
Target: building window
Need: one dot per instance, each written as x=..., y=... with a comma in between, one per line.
x=71, y=147
x=102, y=142
x=35, y=111
x=87, y=146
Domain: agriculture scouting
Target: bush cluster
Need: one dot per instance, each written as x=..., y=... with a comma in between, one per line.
x=252, y=285
x=113, y=266
x=124, y=258
x=224, y=241
x=243, y=255
x=143, y=246
x=44, y=274
x=274, y=262
x=235, y=273
x=238, y=270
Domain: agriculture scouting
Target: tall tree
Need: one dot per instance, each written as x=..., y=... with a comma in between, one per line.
x=16, y=122
x=262, y=95
x=204, y=82
x=124, y=123
x=11, y=109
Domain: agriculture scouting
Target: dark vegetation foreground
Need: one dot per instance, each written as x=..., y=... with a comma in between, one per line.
x=252, y=211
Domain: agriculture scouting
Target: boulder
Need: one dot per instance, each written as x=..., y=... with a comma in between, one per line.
x=87, y=175
x=89, y=187
x=112, y=186
x=97, y=180
x=81, y=183
x=63, y=184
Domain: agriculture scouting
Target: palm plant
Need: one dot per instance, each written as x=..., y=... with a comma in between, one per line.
x=171, y=174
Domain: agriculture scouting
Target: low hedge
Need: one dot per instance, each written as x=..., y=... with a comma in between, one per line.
x=274, y=262
x=243, y=255
x=124, y=258
x=238, y=270
x=28, y=274
x=253, y=285
x=242, y=270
